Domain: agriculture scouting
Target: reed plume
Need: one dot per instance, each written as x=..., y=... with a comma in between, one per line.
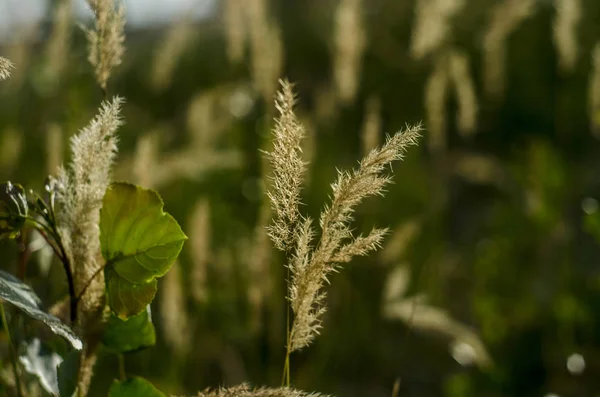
x=105, y=40
x=82, y=187
x=246, y=391
x=464, y=88
x=175, y=320
x=57, y=49
x=5, y=67
x=310, y=265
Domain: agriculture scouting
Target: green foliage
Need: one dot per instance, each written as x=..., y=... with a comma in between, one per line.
x=140, y=242
x=129, y=335
x=22, y=296
x=67, y=374
x=13, y=209
x=134, y=387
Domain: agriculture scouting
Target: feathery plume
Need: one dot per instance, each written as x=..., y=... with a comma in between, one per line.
x=105, y=41
x=175, y=322
x=309, y=267
x=432, y=25
x=350, y=41
x=594, y=92
x=201, y=249
x=288, y=170
x=5, y=67
x=83, y=186
x=245, y=391
x=506, y=18
x=371, y=127
x=568, y=15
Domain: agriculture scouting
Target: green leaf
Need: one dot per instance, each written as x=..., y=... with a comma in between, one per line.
x=134, y=387
x=22, y=296
x=67, y=374
x=140, y=242
x=129, y=335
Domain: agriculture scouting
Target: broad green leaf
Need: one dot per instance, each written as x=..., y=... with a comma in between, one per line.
x=129, y=335
x=127, y=299
x=43, y=364
x=134, y=387
x=22, y=296
x=140, y=242
x=67, y=374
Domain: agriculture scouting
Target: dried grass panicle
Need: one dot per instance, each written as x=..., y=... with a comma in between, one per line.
x=246, y=391
x=288, y=170
x=337, y=245
x=82, y=186
x=105, y=40
x=5, y=67
x=309, y=267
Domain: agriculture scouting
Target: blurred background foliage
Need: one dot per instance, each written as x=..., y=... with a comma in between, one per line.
x=489, y=284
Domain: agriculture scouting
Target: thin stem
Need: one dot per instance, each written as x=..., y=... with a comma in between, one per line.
x=286, y=366
x=13, y=354
x=122, y=372
x=90, y=281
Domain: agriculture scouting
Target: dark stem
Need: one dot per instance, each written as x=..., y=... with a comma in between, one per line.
x=122, y=371
x=13, y=353
x=90, y=281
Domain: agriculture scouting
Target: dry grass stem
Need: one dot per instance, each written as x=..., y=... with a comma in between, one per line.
x=105, y=40
x=594, y=92
x=57, y=49
x=266, y=47
x=200, y=241
x=436, y=98
x=465, y=92
x=568, y=16
x=350, y=42
x=506, y=17
x=236, y=29
x=371, y=128
x=169, y=51
x=54, y=148
x=175, y=322
x=433, y=25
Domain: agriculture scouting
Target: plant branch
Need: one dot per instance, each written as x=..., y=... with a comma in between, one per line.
x=13, y=354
